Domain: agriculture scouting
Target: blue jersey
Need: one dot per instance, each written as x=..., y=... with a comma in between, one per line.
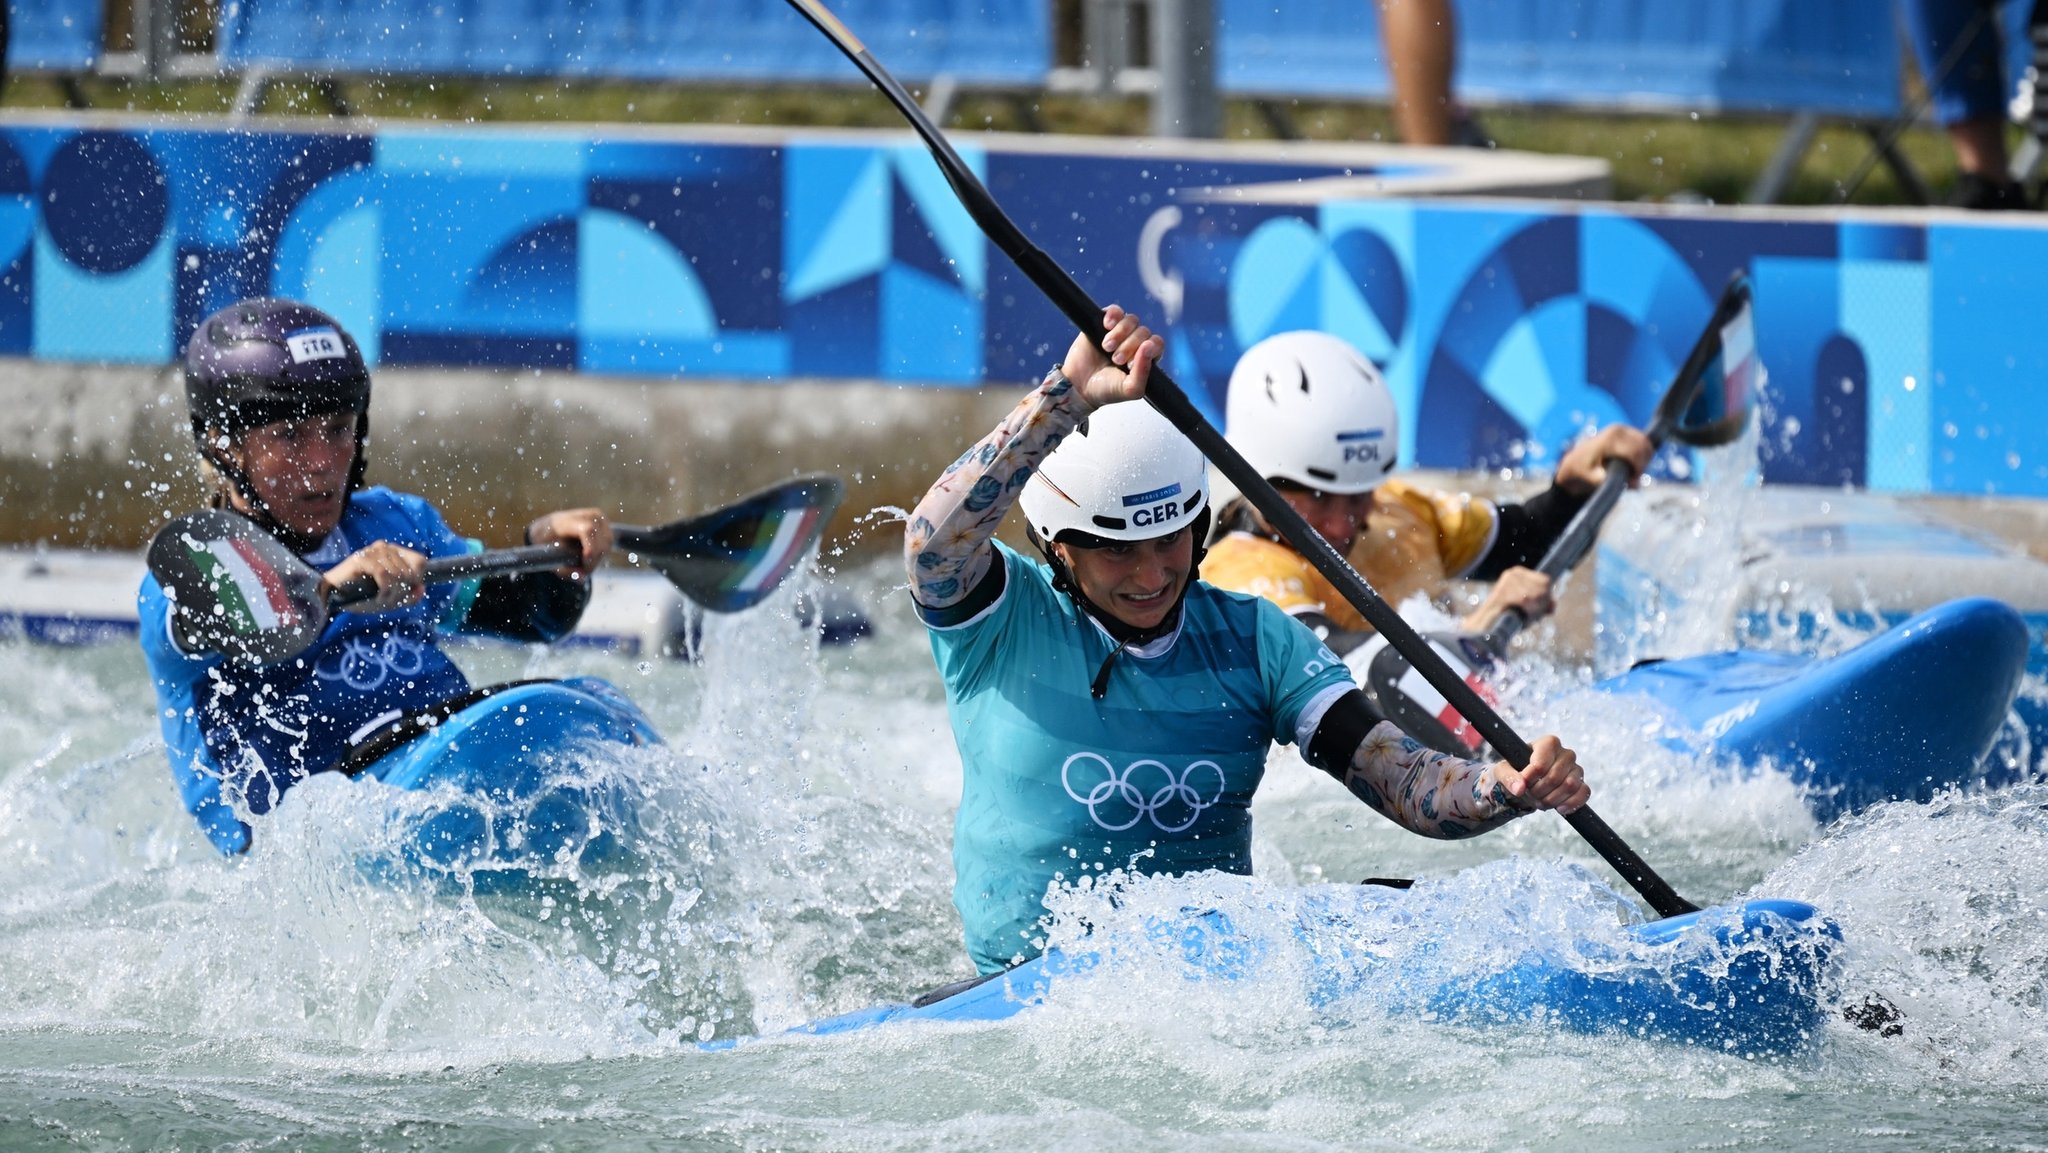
x=1156, y=777
x=241, y=735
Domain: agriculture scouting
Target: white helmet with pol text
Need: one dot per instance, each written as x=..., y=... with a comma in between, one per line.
x=1309, y=408
x=1126, y=474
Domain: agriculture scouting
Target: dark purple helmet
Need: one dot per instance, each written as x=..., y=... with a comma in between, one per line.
x=265, y=360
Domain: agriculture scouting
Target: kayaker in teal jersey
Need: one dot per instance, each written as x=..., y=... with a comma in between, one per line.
x=1112, y=712
x=279, y=398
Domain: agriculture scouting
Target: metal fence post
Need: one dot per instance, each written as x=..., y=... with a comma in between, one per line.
x=1184, y=53
x=156, y=36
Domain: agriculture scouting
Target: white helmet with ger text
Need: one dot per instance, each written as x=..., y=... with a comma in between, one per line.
x=1309, y=408
x=1125, y=475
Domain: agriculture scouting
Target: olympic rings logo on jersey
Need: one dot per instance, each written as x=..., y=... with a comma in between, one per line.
x=365, y=665
x=1118, y=799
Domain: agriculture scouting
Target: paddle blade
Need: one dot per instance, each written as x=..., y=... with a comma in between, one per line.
x=235, y=589
x=1716, y=409
x=1405, y=697
x=731, y=559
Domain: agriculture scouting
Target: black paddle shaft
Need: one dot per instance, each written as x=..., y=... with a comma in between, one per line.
x=1166, y=396
x=496, y=562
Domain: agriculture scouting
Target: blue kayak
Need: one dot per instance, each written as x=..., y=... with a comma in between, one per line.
x=1909, y=711
x=1750, y=979
x=517, y=783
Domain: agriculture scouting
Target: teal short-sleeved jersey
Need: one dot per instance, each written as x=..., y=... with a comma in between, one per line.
x=1156, y=777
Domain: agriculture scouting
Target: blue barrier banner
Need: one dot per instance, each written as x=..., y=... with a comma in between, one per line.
x=979, y=42
x=1834, y=57
x=1905, y=351
x=54, y=35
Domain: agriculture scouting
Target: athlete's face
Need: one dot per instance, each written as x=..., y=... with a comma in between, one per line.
x=1337, y=516
x=1138, y=583
x=300, y=468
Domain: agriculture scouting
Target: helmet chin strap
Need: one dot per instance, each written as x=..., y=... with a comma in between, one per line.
x=259, y=510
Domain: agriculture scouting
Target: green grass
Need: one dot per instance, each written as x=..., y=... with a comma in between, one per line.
x=1653, y=157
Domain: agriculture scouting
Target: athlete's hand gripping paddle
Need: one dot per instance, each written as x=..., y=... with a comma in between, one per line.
x=1166, y=396
x=235, y=589
x=1706, y=404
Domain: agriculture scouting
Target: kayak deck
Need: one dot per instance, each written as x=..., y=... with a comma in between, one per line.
x=1907, y=712
x=1750, y=979
x=517, y=784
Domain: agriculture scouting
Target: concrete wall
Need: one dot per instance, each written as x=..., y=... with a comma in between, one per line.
x=100, y=456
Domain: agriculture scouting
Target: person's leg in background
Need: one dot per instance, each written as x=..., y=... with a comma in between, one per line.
x=1959, y=45
x=1420, y=40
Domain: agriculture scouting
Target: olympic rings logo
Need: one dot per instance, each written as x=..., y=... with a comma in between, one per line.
x=1118, y=799
x=364, y=665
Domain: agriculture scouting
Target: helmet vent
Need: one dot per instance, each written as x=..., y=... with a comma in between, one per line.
x=1189, y=505
x=1300, y=371
x=1321, y=474
x=1112, y=523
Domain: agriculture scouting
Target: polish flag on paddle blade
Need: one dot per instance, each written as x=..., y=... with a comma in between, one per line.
x=1424, y=694
x=1738, y=360
x=250, y=593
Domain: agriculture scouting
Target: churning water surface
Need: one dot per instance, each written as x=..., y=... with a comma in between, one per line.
x=793, y=862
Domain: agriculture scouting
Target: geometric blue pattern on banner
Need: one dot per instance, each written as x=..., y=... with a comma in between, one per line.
x=705, y=203
x=633, y=282
x=1088, y=213
x=104, y=202
x=1903, y=354
x=838, y=228
x=933, y=232
x=121, y=316
x=1884, y=310
x=478, y=349
x=885, y=267
x=487, y=250
x=738, y=355
x=1872, y=241
x=17, y=252
x=930, y=330
x=1990, y=358
x=329, y=254
x=1461, y=418
x=1798, y=308
x=1280, y=290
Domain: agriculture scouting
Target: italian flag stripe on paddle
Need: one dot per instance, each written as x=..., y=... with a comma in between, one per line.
x=249, y=591
x=781, y=553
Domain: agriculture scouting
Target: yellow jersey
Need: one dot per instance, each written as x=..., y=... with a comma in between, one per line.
x=1414, y=540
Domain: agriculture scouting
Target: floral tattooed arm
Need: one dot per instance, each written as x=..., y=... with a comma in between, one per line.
x=946, y=545
x=1433, y=793
x=1425, y=791
x=1414, y=786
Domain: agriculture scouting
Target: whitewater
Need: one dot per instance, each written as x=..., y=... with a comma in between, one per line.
x=793, y=862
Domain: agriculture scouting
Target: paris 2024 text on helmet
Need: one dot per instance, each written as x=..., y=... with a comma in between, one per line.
x=1308, y=408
